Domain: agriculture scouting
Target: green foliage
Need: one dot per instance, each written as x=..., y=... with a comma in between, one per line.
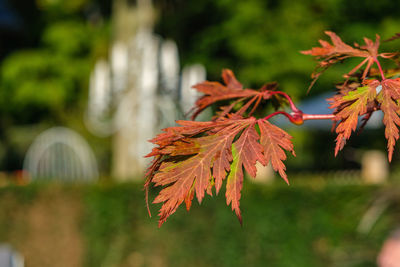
x=69, y=38
x=46, y=82
x=41, y=87
x=260, y=40
x=111, y=215
x=284, y=226
x=58, y=6
x=51, y=79
x=295, y=226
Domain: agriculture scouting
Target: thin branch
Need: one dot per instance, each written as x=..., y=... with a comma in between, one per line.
x=380, y=68
x=298, y=117
x=307, y=117
x=276, y=113
x=291, y=104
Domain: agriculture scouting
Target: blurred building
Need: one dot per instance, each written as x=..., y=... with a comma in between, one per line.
x=142, y=81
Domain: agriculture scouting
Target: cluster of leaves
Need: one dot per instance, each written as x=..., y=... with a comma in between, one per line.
x=365, y=89
x=197, y=156
x=193, y=158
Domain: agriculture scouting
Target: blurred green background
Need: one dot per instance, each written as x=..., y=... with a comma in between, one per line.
x=107, y=225
x=47, y=51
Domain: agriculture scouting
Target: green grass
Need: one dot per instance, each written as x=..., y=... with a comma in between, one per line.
x=283, y=226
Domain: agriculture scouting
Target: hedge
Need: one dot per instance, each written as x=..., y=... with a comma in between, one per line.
x=107, y=225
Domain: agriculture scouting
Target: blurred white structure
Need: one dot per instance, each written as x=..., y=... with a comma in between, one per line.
x=119, y=66
x=146, y=88
x=374, y=167
x=169, y=68
x=99, y=99
x=265, y=174
x=168, y=96
x=191, y=75
x=100, y=93
x=9, y=257
x=60, y=154
x=148, y=93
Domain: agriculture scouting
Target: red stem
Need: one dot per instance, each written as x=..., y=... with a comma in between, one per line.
x=297, y=116
x=276, y=113
x=380, y=68
x=318, y=117
x=292, y=105
x=304, y=117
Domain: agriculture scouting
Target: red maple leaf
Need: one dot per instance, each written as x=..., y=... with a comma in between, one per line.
x=351, y=103
x=193, y=158
x=329, y=54
x=361, y=97
x=215, y=92
x=389, y=99
x=274, y=141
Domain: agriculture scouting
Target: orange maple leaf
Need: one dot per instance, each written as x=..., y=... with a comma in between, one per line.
x=186, y=165
x=329, y=54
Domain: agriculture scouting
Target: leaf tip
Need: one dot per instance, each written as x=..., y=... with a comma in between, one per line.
x=390, y=155
x=147, y=201
x=161, y=221
x=239, y=216
x=329, y=33
x=286, y=179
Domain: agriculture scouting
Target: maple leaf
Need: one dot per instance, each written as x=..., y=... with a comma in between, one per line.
x=246, y=151
x=187, y=164
x=329, y=54
x=389, y=99
x=274, y=141
x=215, y=92
x=350, y=104
x=210, y=151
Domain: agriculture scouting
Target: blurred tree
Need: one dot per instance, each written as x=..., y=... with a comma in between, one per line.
x=54, y=75
x=46, y=82
x=260, y=40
